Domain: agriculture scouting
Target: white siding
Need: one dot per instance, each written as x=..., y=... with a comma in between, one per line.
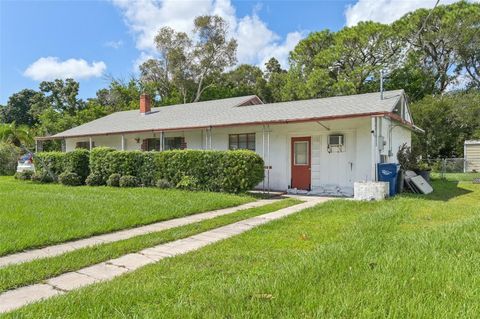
x=472, y=157
x=329, y=171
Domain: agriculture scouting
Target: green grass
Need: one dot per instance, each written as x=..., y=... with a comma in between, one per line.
x=38, y=270
x=35, y=215
x=457, y=176
x=410, y=257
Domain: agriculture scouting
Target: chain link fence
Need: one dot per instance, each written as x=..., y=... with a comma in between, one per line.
x=456, y=169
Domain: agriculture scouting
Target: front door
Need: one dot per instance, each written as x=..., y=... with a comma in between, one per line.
x=301, y=162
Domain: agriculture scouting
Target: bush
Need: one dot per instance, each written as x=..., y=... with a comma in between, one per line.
x=94, y=180
x=70, y=179
x=49, y=163
x=114, y=180
x=24, y=176
x=9, y=155
x=163, y=183
x=188, y=183
x=148, y=169
x=129, y=181
x=77, y=162
x=99, y=163
x=228, y=171
x=42, y=177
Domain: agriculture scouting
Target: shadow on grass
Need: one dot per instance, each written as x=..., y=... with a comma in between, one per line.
x=444, y=191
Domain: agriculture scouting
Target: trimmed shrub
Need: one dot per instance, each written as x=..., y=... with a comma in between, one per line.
x=94, y=180
x=47, y=163
x=188, y=183
x=129, y=181
x=42, y=177
x=148, y=169
x=163, y=183
x=24, y=176
x=70, y=179
x=125, y=162
x=9, y=155
x=77, y=161
x=114, y=180
x=99, y=163
x=228, y=171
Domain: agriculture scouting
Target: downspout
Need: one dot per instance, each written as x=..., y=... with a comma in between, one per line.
x=373, y=173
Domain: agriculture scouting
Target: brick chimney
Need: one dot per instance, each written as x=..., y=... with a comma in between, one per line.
x=145, y=104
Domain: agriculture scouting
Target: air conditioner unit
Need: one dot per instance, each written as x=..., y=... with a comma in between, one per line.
x=335, y=140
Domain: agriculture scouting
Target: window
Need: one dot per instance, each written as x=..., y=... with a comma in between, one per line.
x=171, y=143
x=153, y=144
x=85, y=145
x=241, y=141
x=175, y=143
x=301, y=153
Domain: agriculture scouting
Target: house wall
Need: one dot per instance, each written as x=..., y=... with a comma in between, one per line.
x=472, y=157
x=331, y=172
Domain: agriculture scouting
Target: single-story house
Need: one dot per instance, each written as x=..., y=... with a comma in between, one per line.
x=472, y=156
x=320, y=145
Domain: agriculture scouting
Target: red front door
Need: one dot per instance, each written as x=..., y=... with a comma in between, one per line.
x=301, y=162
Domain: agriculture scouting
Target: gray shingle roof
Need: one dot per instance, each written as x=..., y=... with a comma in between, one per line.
x=227, y=112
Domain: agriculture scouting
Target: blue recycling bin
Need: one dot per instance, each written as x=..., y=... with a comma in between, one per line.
x=387, y=172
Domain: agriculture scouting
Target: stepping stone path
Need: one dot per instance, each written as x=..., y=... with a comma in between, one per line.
x=110, y=269
x=55, y=250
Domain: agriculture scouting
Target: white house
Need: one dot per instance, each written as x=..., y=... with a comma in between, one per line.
x=320, y=145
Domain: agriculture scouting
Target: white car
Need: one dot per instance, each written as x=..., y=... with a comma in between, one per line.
x=26, y=163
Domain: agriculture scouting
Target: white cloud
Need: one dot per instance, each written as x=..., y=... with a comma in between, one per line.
x=114, y=44
x=49, y=68
x=256, y=41
x=385, y=11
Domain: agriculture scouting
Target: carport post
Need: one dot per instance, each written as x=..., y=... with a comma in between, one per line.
x=123, y=142
x=90, y=142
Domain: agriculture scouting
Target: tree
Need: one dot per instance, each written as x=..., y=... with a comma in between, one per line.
x=62, y=95
x=437, y=37
x=23, y=107
x=326, y=63
x=16, y=135
x=448, y=121
x=190, y=67
x=467, y=41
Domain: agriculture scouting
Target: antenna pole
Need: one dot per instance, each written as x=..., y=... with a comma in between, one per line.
x=381, y=84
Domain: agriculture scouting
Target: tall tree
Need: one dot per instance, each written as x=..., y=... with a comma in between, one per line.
x=433, y=36
x=63, y=95
x=24, y=107
x=190, y=67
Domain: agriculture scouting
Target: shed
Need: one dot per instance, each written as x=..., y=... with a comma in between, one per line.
x=472, y=156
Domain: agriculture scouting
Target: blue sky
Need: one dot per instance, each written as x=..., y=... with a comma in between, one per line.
x=89, y=40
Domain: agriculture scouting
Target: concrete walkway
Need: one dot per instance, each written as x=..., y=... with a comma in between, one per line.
x=110, y=269
x=55, y=250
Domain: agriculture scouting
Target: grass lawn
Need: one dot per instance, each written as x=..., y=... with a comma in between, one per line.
x=34, y=215
x=41, y=269
x=457, y=176
x=410, y=257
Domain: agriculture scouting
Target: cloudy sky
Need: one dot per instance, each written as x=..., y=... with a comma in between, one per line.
x=90, y=40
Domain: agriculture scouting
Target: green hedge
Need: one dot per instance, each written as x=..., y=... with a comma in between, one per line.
x=47, y=163
x=99, y=164
x=228, y=171
x=9, y=155
x=225, y=171
x=76, y=161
